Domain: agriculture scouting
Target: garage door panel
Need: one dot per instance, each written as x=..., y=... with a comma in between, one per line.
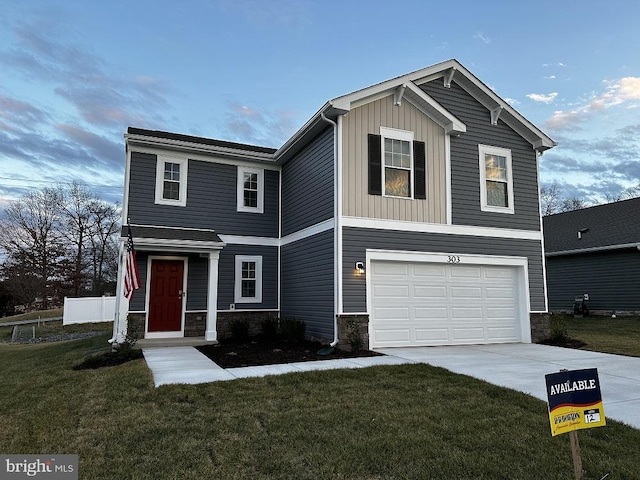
x=390, y=268
x=468, y=313
x=468, y=334
x=473, y=293
x=397, y=291
x=420, y=291
x=432, y=335
x=421, y=303
x=429, y=270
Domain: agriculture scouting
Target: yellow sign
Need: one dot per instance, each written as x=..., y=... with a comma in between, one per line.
x=575, y=401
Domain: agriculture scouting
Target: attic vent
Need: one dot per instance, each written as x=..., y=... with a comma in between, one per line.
x=581, y=231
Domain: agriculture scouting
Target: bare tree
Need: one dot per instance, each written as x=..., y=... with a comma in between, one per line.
x=573, y=203
x=104, y=245
x=550, y=199
x=30, y=237
x=627, y=193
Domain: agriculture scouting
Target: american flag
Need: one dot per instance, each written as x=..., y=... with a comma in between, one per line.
x=131, y=275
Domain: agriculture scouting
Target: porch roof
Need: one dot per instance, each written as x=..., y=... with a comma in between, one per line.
x=173, y=238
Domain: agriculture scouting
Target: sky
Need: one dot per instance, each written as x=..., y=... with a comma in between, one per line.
x=74, y=74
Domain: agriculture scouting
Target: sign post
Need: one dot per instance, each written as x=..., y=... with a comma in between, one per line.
x=575, y=402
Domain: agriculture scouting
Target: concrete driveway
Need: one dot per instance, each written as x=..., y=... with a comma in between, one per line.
x=522, y=367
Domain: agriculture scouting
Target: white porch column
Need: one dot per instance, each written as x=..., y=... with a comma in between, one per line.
x=211, y=332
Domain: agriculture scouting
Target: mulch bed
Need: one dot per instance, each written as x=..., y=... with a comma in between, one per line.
x=257, y=351
x=108, y=359
x=567, y=343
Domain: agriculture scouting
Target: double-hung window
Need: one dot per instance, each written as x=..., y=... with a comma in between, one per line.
x=171, y=181
x=248, y=284
x=250, y=190
x=397, y=164
x=496, y=179
x=397, y=150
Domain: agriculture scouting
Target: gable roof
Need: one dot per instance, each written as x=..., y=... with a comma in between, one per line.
x=406, y=86
x=610, y=226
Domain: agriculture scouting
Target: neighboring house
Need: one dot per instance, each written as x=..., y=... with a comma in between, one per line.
x=596, y=251
x=410, y=205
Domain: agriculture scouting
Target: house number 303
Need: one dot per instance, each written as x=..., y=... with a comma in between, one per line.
x=453, y=259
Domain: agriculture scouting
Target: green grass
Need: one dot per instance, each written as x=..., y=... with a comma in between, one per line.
x=619, y=335
x=49, y=329
x=411, y=421
x=54, y=312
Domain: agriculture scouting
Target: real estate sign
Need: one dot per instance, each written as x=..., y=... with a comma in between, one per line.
x=575, y=401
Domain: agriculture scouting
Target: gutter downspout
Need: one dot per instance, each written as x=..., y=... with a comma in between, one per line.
x=337, y=230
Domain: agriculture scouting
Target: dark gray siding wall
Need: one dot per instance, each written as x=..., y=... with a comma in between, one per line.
x=355, y=241
x=465, y=174
x=307, y=283
x=612, y=280
x=197, y=282
x=211, y=199
x=226, y=276
x=307, y=185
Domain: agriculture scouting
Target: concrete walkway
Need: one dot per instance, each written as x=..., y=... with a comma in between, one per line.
x=520, y=367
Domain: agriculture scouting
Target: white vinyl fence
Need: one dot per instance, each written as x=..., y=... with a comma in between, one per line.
x=88, y=310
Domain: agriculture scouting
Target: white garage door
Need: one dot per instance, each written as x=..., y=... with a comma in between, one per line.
x=419, y=304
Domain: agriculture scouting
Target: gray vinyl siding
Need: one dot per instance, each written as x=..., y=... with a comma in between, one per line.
x=307, y=185
x=227, y=273
x=612, y=280
x=211, y=199
x=197, y=282
x=356, y=241
x=465, y=173
x=307, y=283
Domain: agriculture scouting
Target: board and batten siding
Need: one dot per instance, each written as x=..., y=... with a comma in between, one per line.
x=307, y=283
x=368, y=119
x=227, y=276
x=307, y=185
x=611, y=278
x=465, y=173
x=355, y=242
x=211, y=199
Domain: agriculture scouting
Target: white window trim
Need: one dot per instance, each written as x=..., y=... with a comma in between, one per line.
x=503, y=152
x=396, y=134
x=184, y=163
x=240, y=194
x=238, y=298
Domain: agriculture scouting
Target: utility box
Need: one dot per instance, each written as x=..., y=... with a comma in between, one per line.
x=580, y=305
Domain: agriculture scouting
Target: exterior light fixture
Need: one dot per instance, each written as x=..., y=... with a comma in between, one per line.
x=359, y=267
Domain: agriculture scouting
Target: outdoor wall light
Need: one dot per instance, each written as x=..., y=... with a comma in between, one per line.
x=359, y=267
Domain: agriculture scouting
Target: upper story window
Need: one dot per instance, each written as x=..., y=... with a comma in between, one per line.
x=171, y=181
x=496, y=179
x=250, y=190
x=397, y=164
x=248, y=284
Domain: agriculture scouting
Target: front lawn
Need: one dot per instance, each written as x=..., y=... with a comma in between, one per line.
x=410, y=421
x=619, y=335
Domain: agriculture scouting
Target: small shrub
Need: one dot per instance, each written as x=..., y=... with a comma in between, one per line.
x=353, y=335
x=130, y=338
x=269, y=328
x=292, y=329
x=240, y=330
x=559, y=332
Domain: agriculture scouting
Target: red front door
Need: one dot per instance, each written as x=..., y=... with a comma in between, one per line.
x=165, y=298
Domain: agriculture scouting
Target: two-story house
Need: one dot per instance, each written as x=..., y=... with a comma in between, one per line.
x=411, y=205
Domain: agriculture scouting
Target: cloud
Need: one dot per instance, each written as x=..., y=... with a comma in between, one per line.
x=19, y=113
x=540, y=97
x=482, y=37
x=556, y=64
x=617, y=92
x=248, y=125
x=550, y=77
x=511, y=101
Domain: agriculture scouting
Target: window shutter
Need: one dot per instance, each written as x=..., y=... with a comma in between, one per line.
x=419, y=167
x=375, y=164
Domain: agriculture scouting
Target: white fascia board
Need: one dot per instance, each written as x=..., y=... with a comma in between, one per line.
x=163, y=244
x=167, y=143
x=435, y=111
x=468, y=230
x=593, y=249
